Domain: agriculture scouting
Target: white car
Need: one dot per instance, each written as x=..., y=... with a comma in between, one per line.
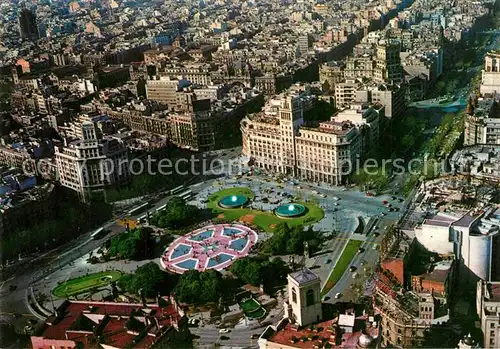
x=224, y=330
x=338, y=295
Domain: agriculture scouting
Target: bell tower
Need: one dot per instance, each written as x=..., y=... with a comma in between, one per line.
x=304, y=300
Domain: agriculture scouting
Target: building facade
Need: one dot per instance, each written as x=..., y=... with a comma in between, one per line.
x=488, y=310
x=490, y=78
x=277, y=140
x=90, y=164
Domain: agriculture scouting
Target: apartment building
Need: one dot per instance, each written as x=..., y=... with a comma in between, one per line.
x=331, y=73
x=345, y=92
x=367, y=119
x=391, y=96
x=388, y=66
x=163, y=89
x=488, y=310
x=277, y=140
x=359, y=67
x=84, y=165
x=490, y=79
x=483, y=127
x=195, y=73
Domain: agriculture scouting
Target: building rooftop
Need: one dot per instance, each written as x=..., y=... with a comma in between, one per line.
x=321, y=333
x=304, y=276
x=78, y=320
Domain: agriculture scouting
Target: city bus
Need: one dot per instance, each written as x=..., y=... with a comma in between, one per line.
x=161, y=208
x=185, y=193
x=142, y=219
x=176, y=190
x=138, y=209
x=187, y=197
x=99, y=233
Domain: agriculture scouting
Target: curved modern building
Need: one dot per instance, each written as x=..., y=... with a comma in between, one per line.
x=474, y=238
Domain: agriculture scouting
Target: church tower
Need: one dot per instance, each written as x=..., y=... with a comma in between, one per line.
x=304, y=299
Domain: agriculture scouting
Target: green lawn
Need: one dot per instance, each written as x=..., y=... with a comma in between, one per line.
x=249, y=305
x=252, y=309
x=85, y=283
x=343, y=263
x=264, y=220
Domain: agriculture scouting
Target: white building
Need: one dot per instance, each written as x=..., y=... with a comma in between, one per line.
x=490, y=80
x=276, y=140
x=304, y=301
x=475, y=240
x=89, y=164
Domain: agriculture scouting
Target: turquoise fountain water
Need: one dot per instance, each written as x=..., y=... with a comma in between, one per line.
x=233, y=201
x=290, y=210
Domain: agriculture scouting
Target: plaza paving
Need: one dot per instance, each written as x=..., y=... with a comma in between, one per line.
x=342, y=210
x=211, y=247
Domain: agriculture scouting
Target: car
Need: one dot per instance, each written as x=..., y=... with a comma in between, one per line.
x=336, y=198
x=315, y=192
x=328, y=261
x=322, y=195
x=224, y=338
x=393, y=197
x=193, y=322
x=361, y=250
x=355, y=275
x=376, y=234
x=327, y=298
x=385, y=202
x=362, y=263
x=368, y=193
x=352, y=268
x=224, y=330
x=384, y=214
x=375, y=246
x=338, y=295
x=254, y=336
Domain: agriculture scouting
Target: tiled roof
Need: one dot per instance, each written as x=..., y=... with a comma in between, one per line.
x=79, y=319
x=304, y=276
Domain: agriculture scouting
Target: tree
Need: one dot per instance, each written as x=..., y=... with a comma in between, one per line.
x=196, y=287
x=260, y=270
x=138, y=243
x=177, y=214
x=286, y=240
x=148, y=279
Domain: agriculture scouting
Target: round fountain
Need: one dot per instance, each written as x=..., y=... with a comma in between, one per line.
x=233, y=201
x=290, y=210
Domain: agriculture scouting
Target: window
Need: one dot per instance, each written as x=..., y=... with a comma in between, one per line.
x=309, y=297
x=294, y=295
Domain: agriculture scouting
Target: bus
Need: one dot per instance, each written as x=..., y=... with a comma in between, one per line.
x=99, y=233
x=142, y=219
x=161, y=208
x=176, y=190
x=138, y=209
x=185, y=194
x=187, y=197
